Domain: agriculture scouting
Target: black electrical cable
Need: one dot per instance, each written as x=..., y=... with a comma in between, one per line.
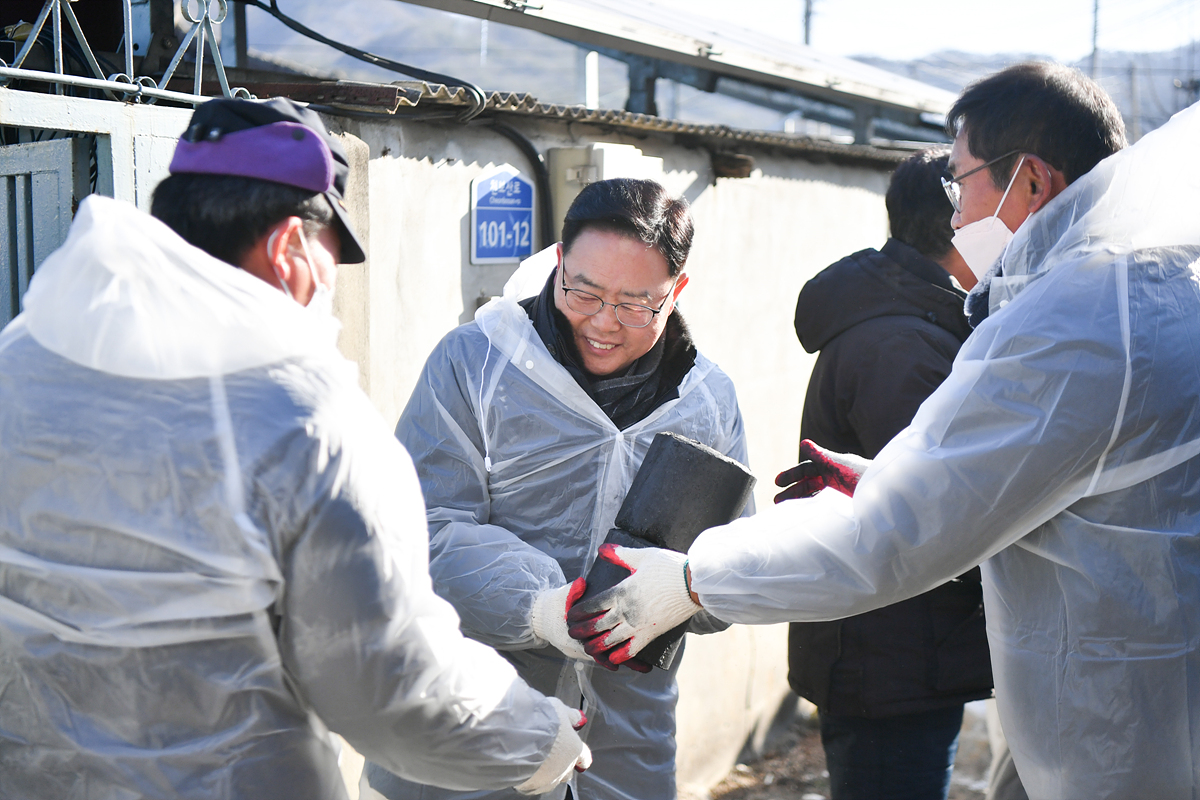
x=477, y=97
x=45, y=40
x=541, y=172
x=406, y=114
x=541, y=175
x=73, y=51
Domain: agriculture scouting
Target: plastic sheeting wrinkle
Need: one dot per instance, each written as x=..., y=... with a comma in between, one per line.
x=1122, y=270
x=235, y=496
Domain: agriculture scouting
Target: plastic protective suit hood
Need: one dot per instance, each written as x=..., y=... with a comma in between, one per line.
x=126, y=296
x=560, y=470
x=212, y=549
x=1062, y=449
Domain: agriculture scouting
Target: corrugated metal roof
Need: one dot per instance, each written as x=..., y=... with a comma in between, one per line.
x=723, y=136
x=404, y=98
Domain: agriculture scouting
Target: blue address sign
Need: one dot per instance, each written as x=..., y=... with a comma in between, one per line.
x=501, y=216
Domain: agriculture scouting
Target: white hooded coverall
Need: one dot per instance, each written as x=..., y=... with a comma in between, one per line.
x=492, y=393
x=1062, y=453
x=212, y=549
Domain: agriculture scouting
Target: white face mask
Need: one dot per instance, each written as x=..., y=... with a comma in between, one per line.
x=984, y=241
x=321, y=303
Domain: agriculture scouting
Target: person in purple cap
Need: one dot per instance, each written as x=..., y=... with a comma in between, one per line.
x=213, y=552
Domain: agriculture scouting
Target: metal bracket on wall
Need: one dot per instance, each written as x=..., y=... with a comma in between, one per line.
x=126, y=84
x=521, y=5
x=583, y=175
x=55, y=10
x=202, y=23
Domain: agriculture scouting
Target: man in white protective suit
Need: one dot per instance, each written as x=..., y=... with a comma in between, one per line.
x=527, y=427
x=1062, y=453
x=212, y=550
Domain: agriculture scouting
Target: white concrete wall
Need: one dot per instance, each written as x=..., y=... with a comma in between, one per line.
x=757, y=241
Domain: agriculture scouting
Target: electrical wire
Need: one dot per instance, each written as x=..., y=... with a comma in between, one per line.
x=537, y=162
x=401, y=113
x=475, y=94
x=1125, y=22
x=72, y=52
x=541, y=175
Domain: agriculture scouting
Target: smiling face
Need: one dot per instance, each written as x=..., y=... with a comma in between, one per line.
x=618, y=269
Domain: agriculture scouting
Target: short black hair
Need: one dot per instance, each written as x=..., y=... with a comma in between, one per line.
x=638, y=208
x=1050, y=110
x=224, y=215
x=918, y=209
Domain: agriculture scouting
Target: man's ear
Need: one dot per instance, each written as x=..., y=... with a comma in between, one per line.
x=268, y=259
x=1044, y=181
x=277, y=242
x=680, y=282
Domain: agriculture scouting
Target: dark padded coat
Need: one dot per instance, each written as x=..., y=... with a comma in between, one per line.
x=887, y=324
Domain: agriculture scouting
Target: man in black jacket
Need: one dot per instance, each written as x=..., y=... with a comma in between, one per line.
x=890, y=684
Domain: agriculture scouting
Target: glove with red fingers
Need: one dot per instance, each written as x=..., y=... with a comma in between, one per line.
x=568, y=753
x=617, y=623
x=819, y=469
x=602, y=657
x=548, y=618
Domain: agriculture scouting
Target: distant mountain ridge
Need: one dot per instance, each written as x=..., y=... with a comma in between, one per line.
x=1141, y=84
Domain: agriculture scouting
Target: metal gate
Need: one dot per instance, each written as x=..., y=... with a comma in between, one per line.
x=40, y=186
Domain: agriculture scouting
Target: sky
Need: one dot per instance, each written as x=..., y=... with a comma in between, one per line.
x=903, y=30
x=1061, y=29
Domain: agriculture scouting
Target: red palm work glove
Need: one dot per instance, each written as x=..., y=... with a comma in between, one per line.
x=819, y=469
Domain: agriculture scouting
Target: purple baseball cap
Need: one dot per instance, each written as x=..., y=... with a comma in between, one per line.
x=274, y=140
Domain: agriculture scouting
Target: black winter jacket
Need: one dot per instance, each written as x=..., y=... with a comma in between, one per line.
x=888, y=325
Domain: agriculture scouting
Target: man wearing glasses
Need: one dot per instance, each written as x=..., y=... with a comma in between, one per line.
x=527, y=426
x=1062, y=453
x=1016, y=148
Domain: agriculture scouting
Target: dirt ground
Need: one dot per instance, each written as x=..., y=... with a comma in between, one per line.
x=795, y=768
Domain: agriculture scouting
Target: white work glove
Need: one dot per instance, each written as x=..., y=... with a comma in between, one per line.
x=617, y=623
x=548, y=618
x=568, y=754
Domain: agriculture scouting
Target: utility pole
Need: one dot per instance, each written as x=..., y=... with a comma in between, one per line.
x=1095, y=39
x=1191, y=86
x=589, y=77
x=808, y=21
x=240, y=38
x=1134, y=111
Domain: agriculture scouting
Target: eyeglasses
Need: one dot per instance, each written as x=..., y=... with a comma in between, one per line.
x=953, y=183
x=631, y=315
